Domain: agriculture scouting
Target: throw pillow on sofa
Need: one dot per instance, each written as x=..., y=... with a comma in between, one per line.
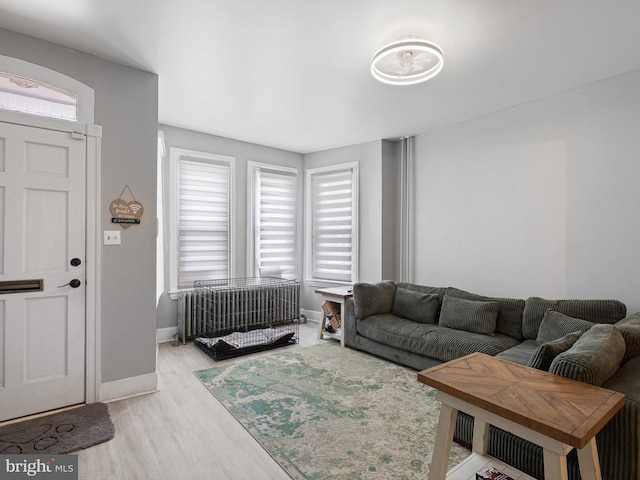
x=469, y=315
x=596, y=311
x=547, y=352
x=509, y=321
x=555, y=325
x=630, y=329
x=416, y=306
x=594, y=358
x=370, y=299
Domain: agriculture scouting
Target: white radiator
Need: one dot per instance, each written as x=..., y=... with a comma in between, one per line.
x=187, y=323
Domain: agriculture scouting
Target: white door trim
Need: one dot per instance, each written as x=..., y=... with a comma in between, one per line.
x=84, y=125
x=93, y=352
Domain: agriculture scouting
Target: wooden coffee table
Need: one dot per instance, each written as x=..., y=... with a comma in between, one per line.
x=551, y=411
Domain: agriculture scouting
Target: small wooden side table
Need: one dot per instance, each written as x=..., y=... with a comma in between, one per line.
x=551, y=411
x=338, y=295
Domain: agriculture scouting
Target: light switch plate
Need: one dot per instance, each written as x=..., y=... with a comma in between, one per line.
x=112, y=237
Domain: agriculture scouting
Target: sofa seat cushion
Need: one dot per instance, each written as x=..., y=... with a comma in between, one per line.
x=597, y=311
x=433, y=341
x=594, y=358
x=520, y=353
x=625, y=380
x=556, y=325
x=389, y=329
x=469, y=315
x=445, y=344
x=630, y=330
x=509, y=320
x=412, y=305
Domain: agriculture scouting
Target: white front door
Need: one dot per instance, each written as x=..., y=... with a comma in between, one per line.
x=42, y=238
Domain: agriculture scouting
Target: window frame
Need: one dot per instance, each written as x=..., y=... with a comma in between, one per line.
x=176, y=155
x=308, y=252
x=252, y=254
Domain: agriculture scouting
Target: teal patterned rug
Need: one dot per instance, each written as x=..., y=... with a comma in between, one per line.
x=327, y=412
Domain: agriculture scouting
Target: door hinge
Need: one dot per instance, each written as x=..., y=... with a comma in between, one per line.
x=78, y=135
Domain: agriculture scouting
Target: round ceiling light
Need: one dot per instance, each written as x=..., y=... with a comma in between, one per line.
x=407, y=62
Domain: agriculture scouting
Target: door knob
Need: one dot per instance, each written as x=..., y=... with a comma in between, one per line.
x=75, y=262
x=75, y=283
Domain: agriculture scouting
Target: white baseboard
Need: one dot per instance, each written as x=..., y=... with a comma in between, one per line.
x=166, y=334
x=129, y=387
x=312, y=315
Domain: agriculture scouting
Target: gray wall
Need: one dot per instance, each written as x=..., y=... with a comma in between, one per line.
x=391, y=157
x=539, y=199
x=126, y=106
x=243, y=153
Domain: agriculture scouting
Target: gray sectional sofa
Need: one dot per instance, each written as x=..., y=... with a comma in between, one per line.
x=586, y=340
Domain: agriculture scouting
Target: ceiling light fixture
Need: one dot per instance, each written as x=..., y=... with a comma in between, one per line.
x=407, y=61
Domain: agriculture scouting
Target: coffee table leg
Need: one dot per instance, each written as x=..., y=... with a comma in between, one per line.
x=444, y=438
x=480, y=443
x=555, y=466
x=589, y=463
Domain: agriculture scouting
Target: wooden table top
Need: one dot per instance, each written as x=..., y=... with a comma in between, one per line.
x=342, y=292
x=566, y=410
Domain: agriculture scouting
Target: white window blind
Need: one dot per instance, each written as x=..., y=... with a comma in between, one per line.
x=275, y=222
x=333, y=224
x=202, y=238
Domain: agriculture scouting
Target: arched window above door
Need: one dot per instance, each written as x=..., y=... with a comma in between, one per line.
x=27, y=88
x=30, y=96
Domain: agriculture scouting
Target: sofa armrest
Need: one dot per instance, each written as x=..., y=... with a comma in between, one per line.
x=619, y=442
x=349, y=322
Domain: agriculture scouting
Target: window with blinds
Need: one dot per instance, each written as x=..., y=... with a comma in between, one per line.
x=332, y=201
x=202, y=209
x=275, y=221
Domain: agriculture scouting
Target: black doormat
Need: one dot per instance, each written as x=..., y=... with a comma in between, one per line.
x=58, y=433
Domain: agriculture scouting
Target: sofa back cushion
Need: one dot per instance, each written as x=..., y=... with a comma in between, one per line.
x=630, y=329
x=547, y=352
x=469, y=315
x=440, y=291
x=555, y=325
x=594, y=358
x=373, y=299
x=509, y=321
x=416, y=306
x=597, y=311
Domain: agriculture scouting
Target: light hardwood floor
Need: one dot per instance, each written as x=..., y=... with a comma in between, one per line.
x=182, y=432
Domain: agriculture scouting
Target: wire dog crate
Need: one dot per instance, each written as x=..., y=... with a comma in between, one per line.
x=244, y=315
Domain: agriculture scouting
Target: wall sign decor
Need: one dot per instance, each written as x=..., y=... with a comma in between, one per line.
x=126, y=213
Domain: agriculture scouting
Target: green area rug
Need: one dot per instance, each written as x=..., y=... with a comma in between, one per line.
x=327, y=412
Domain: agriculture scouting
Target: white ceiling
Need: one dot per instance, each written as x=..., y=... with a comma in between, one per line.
x=294, y=74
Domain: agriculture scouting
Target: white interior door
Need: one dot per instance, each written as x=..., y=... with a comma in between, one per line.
x=42, y=237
